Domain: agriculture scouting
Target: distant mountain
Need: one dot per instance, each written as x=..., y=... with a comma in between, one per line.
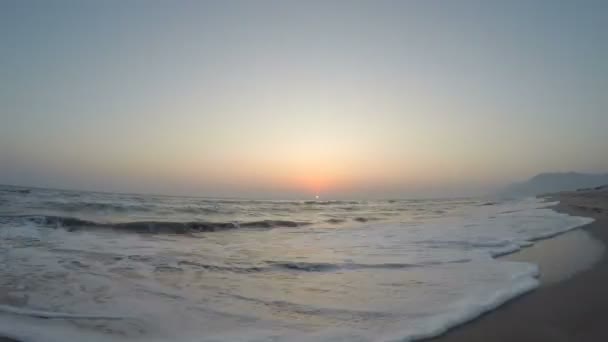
x=554, y=182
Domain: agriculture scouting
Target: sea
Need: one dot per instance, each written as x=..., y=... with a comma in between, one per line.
x=90, y=266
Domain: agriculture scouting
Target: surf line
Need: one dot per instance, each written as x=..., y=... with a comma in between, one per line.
x=52, y=314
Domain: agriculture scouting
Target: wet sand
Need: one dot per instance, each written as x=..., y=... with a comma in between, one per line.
x=573, y=309
x=563, y=256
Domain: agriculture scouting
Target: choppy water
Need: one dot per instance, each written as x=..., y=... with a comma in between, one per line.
x=110, y=267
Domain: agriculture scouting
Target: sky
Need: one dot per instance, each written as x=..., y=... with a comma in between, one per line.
x=289, y=99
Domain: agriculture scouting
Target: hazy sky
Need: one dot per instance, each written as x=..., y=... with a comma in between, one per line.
x=287, y=98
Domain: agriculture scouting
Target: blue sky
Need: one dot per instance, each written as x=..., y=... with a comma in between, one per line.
x=291, y=98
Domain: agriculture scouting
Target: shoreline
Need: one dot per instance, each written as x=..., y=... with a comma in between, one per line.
x=562, y=308
x=561, y=256
x=574, y=308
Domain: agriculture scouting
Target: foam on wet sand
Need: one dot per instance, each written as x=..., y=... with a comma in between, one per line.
x=570, y=307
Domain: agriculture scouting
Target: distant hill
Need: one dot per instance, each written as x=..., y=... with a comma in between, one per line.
x=554, y=182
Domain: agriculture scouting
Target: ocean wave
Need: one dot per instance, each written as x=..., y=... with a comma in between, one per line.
x=281, y=266
x=48, y=220
x=327, y=267
x=17, y=191
x=465, y=243
x=304, y=266
x=199, y=210
x=484, y=204
x=365, y=219
x=327, y=202
x=93, y=206
x=168, y=227
x=283, y=305
x=52, y=314
x=222, y=268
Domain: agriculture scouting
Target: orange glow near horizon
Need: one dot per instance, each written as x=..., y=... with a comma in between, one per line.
x=315, y=184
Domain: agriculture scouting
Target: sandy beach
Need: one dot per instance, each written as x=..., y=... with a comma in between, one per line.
x=574, y=309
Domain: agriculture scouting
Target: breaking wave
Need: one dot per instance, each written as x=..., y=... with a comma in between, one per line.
x=325, y=267
x=288, y=266
x=154, y=227
x=52, y=314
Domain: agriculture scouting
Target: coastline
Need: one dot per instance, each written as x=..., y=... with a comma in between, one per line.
x=572, y=309
x=562, y=256
x=564, y=307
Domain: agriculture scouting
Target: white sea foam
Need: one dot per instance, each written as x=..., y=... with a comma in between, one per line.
x=413, y=275
x=468, y=309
